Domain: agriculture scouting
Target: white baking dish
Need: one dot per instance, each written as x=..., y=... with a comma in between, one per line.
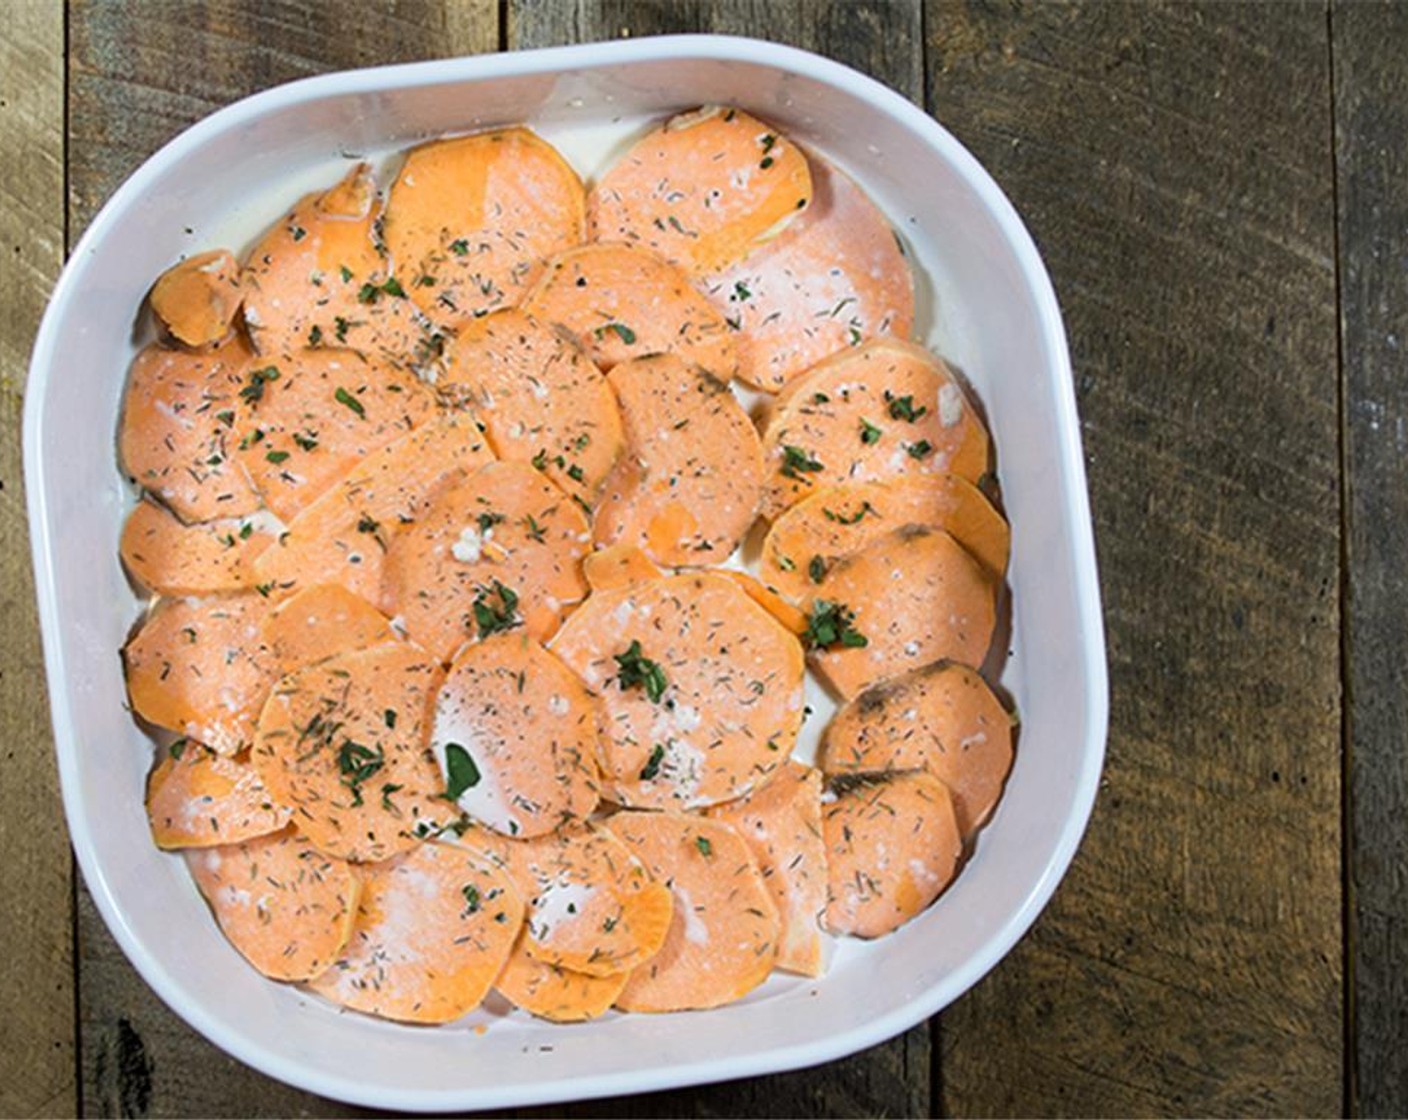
x=985, y=303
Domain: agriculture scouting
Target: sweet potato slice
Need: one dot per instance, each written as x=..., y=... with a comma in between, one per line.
x=621, y=302
x=170, y=557
x=317, y=279
x=781, y=824
x=342, y=536
x=320, y=621
x=540, y=398
x=892, y=846
x=343, y=741
x=766, y=597
x=700, y=687
x=703, y=189
x=723, y=935
x=833, y=278
x=805, y=542
x=883, y=411
x=618, y=566
x=515, y=734
x=942, y=718
x=177, y=436
x=197, y=798
x=557, y=994
x=433, y=930
x=286, y=906
x=197, y=299
x=915, y=596
x=469, y=218
x=501, y=549
x=200, y=667
x=689, y=485
x=315, y=415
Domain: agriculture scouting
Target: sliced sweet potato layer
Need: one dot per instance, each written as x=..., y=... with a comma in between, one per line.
x=781, y=824
x=283, y=904
x=197, y=299
x=469, y=218
x=688, y=487
x=619, y=565
x=178, y=434
x=342, y=537
x=883, y=411
x=723, y=935
x=433, y=930
x=835, y=522
x=200, y=667
x=540, y=398
x=621, y=302
x=702, y=190
x=320, y=621
x=170, y=557
x=914, y=596
x=343, y=742
x=501, y=549
x=892, y=846
x=700, y=688
x=833, y=278
x=515, y=733
x=197, y=798
x=942, y=718
x=557, y=994
x=318, y=279
x=314, y=415
x=766, y=597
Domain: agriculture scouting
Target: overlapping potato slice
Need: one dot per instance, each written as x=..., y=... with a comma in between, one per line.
x=912, y=597
x=316, y=415
x=320, y=621
x=701, y=688
x=830, y=280
x=883, y=411
x=892, y=846
x=557, y=994
x=197, y=798
x=197, y=300
x=723, y=935
x=498, y=550
x=468, y=219
x=942, y=718
x=177, y=435
x=516, y=736
x=621, y=302
x=781, y=824
x=343, y=741
x=541, y=400
x=838, y=521
x=433, y=930
x=200, y=667
x=689, y=485
x=342, y=537
x=703, y=189
x=170, y=557
x=286, y=906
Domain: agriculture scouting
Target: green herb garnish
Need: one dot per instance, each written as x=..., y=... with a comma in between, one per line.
x=342, y=396
x=830, y=625
x=795, y=461
x=652, y=767
x=463, y=774
x=633, y=670
x=869, y=433
x=491, y=617
x=356, y=764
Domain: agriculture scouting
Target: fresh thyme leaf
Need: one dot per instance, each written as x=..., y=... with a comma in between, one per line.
x=343, y=397
x=704, y=846
x=652, y=767
x=634, y=670
x=795, y=461
x=830, y=624
x=817, y=569
x=902, y=408
x=461, y=771
x=357, y=763
x=491, y=617
x=869, y=433
x=919, y=450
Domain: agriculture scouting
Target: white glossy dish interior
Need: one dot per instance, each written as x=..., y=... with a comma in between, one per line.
x=986, y=304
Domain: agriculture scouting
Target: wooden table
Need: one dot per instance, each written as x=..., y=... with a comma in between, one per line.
x=1221, y=194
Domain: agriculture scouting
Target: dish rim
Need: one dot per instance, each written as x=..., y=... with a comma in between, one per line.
x=266, y=1058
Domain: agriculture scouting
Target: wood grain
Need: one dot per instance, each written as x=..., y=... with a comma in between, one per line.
x=884, y=40
x=140, y=73
x=1371, y=116
x=1173, y=162
x=36, y=920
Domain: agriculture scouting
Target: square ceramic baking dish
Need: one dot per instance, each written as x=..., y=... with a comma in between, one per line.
x=985, y=303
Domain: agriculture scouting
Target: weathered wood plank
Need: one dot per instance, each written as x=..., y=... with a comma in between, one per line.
x=882, y=38
x=141, y=72
x=1371, y=115
x=37, y=1061
x=1174, y=164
